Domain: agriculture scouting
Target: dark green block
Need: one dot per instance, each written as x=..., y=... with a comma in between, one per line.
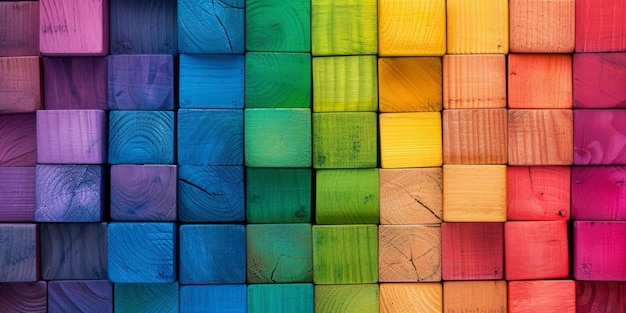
x=278, y=25
x=345, y=140
x=146, y=298
x=347, y=196
x=280, y=298
x=347, y=299
x=276, y=195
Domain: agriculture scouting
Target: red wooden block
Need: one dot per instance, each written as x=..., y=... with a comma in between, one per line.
x=598, y=193
x=538, y=193
x=600, y=296
x=599, y=80
x=18, y=140
x=19, y=22
x=75, y=83
x=599, y=252
x=17, y=194
x=600, y=25
x=600, y=137
x=540, y=81
x=20, y=85
x=536, y=250
x=545, y=296
x=472, y=251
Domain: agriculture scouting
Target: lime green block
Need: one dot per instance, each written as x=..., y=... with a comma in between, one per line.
x=280, y=298
x=278, y=25
x=347, y=196
x=278, y=80
x=344, y=27
x=277, y=137
x=345, y=140
x=345, y=254
x=345, y=84
x=278, y=195
x=347, y=299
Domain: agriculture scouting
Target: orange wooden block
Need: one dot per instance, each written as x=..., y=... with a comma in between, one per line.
x=474, y=296
x=540, y=137
x=540, y=81
x=411, y=297
x=538, y=193
x=409, y=84
x=475, y=136
x=20, y=84
x=541, y=26
x=409, y=253
x=545, y=296
x=474, y=81
x=411, y=195
x=478, y=26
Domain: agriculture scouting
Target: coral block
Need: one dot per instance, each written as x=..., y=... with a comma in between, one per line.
x=209, y=26
x=24, y=297
x=347, y=196
x=18, y=139
x=477, y=26
x=20, y=22
x=546, y=296
x=17, y=194
x=359, y=298
x=540, y=81
x=80, y=296
x=409, y=253
x=75, y=83
x=597, y=80
x=600, y=137
x=542, y=26
x=20, y=85
x=538, y=193
x=276, y=25
x=278, y=195
x=211, y=81
x=598, y=251
x=141, y=137
x=475, y=296
x=474, y=81
x=411, y=196
x=19, y=261
x=474, y=193
x=600, y=296
x=599, y=25
x=280, y=298
x=410, y=84
x=598, y=193
x=146, y=298
x=213, y=298
x=410, y=139
x=411, y=297
x=476, y=136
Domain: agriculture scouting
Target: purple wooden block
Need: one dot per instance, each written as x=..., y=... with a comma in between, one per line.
x=598, y=193
x=600, y=137
x=24, y=297
x=599, y=252
x=71, y=136
x=20, y=24
x=141, y=82
x=18, y=253
x=95, y=296
x=600, y=296
x=17, y=194
x=75, y=83
x=69, y=193
x=18, y=140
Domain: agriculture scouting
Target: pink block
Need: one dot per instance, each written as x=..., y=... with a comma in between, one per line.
x=18, y=140
x=20, y=85
x=600, y=25
x=598, y=193
x=19, y=22
x=600, y=137
x=600, y=296
x=17, y=194
x=599, y=250
x=599, y=80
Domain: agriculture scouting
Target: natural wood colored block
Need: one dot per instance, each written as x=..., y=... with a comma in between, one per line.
x=278, y=195
x=80, y=295
x=476, y=136
x=475, y=296
x=18, y=140
x=141, y=137
x=280, y=298
x=474, y=81
x=19, y=253
x=24, y=297
x=409, y=253
x=597, y=80
x=546, y=296
x=599, y=26
x=408, y=28
x=598, y=193
x=410, y=139
x=75, y=83
x=276, y=25
x=213, y=298
x=361, y=298
x=212, y=27
x=540, y=137
x=538, y=193
x=17, y=194
x=598, y=250
x=540, y=81
x=211, y=81
x=411, y=196
x=600, y=296
x=409, y=84
x=20, y=85
x=478, y=26
x=146, y=298
x=600, y=137
x=411, y=297
x=541, y=26
x=347, y=196
x=20, y=22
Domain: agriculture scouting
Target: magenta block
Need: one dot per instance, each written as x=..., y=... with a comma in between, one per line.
x=599, y=252
x=71, y=136
x=18, y=140
x=80, y=296
x=24, y=297
x=600, y=137
x=599, y=80
x=75, y=83
x=598, y=193
x=18, y=253
x=600, y=296
x=17, y=194
x=20, y=85
x=20, y=24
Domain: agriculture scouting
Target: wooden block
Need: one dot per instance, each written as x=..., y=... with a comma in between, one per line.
x=18, y=139
x=213, y=298
x=209, y=26
x=347, y=196
x=411, y=196
x=600, y=137
x=141, y=82
x=274, y=25
x=280, y=298
x=75, y=83
x=475, y=136
x=599, y=26
x=409, y=84
x=80, y=295
x=17, y=194
x=361, y=298
x=409, y=253
x=211, y=81
x=598, y=252
x=212, y=254
x=344, y=27
x=597, y=78
x=20, y=85
x=143, y=27
x=472, y=251
x=540, y=137
x=345, y=140
x=410, y=139
x=24, y=297
x=277, y=80
x=140, y=137
x=474, y=81
x=19, y=261
x=278, y=195
x=475, y=296
x=411, y=297
x=210, y=137
x=146, y=298
x=549, y=296
x=20, y=21
x=598, y=193
x=538, y=193
x=536, y=250
x=600, y=296
x=345, y=254
x=542, y=26
x=71, y=27
x=210, y=193
x=69, y=193
x=478, y=26
x=540, y=81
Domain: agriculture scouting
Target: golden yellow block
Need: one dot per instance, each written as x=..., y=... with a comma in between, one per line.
x=410, y=139
x=411, y=297
x=410, y=84
x=478, y=26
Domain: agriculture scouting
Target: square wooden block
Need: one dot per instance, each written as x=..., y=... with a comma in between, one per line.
x=141, y=137
x=476, y=136
x=17, y=296
x=80, y=295
x=211, y=81
x=475, y=81
x=345, y=140
x=18, y=140
x=345, y=83
x=275, y=25
x=598, y=250
x=211, y=27
x=347, y=196
x=278, y=195
x=475, y=296
x=213, y=298
x=75, y=83
x=409, y=253
x=600, y=137
x=17, y=194
x=597, y=78
x=598, y=193
x=20, y=85
x=358, y=298
x=19, y=253
x=547, y=296
x=158, y=297
x=540, y=81
x=601, y=296
x=20, y=21
x=599, y=26
x=410, y=139
x=538, y=193
x=542, y=26
x=409, y=84
x=478, y=26
x=474, y=193
x=411, y=297
x=280, y=298
x=411, y=195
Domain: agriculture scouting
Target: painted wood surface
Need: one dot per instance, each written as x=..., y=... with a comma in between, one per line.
x=549, y=296
x=538, y=193
x=472, y=251
x=347, y=196
x=475, y=296
x=20, y=20
x=597, y=251
x=275, y=25
x=477, y=26
x=599, y=26
x=410, y=297
x=359, y=298
x=600, y=296
x=80, y=296
x=211, y=26
x=598, y=193
x=542, y=26
x=18, y=140
x=20, y=85
x=409, y=253
x=409, y=84
x=216, y=298
x=411, y=196
x=75, y=83
x=278, y=195
x=475, y=136
x=24, y=297
x=400, y=147
x=17, y=194
x=146, y=298
x=19, y=261
x=211, y=81
x=597, y=78
x=474, y=81
x=600, y=137
x=540, y=81
x=140, y=137
x=280, y=298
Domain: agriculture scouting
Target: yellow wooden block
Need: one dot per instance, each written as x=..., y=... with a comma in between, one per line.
x=412, y=27
x=411, y=297
x=478, y=26
x=410, y=84
x=474, y=193
x=410, y=139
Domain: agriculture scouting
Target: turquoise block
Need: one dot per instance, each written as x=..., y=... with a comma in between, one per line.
x=211, y=81
x=280, y=298
x=141, y=137
x=213, y=298
x=146, y=298
x=278, y=195
x=208, y=26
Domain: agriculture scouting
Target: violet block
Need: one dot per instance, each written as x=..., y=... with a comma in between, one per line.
x=18, y=140
x=17, y=194
x=24, y=297
x=94, y=296
x=600, y=137
x=599, y=252
x=598, y=193
x=18, y=253
x=75, y=83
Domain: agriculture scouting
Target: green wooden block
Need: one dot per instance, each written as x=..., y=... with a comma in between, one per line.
x=279, y=253
x=278, y=80
x=146, y=298
x=348, y=299
x=278, y=25
x=345, y=140
x=344, y=27
x=280, y=298
x=278, y=195
x=345, y=254
x=277, y=137
x=345, y=83
x=347, y=196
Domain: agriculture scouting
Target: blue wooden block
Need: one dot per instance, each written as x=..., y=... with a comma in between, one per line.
x=80, y=296
x=213, y=298
x=146, y=298
x=212, y=254
x=15, y=297
x=210, y=193
x=74, y=251
x=141, y=82
x=280, y=298
x=211, y=81
x=210, y=137
x=141, y=137
x=69, y=193
x=209, y=26
x=142, y=252
x=17, y=194
x=18, y=253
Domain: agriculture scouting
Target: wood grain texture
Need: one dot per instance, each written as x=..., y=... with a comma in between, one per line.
x=475, y=136
x=146, y=298
x=402, y=147
x=411, y=196
x=278, y=195
x=17, y=194
x=20, y=86
x=75, y=83
x=211, y=26
x=280, y=298
x=142, y=252
x=549, y=296
x=599, y=26
x=598, y=253
x=600, y=137
x=600, y=296
x=474, y=81
x=472, y=251
x=140, y=137
x=361, y=298
x=24, y=297
x=598, y=193
x=80, y=296
x=20, y=20
x=536, y=250
x=475, y=296
x=275, y=25
x=409, y=253
x=409, y=84
x=211, y=81
x=597, y=78
x=19, y=261
x=542, y=26
x=347, y=196
x=69, y=193
x=540, y=81
x=18, y=140
x=213, y=298
x=540, y=137
x=478, y=26
x=410, y=297
x=538, y=193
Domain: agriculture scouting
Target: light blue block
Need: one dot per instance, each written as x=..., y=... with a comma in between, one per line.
x=213, y=298
x=141, y=137
x=146, y=298
x=280, y=298
x=211, y=81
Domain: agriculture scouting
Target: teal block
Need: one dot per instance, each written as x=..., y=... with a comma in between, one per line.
x=208, y=26
x=213, y=298
x=278, y=195
x=347, y=196
x=211, y=81
x=278, y=25
x=146, y=298
x=141, y=137
x=280, y=298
